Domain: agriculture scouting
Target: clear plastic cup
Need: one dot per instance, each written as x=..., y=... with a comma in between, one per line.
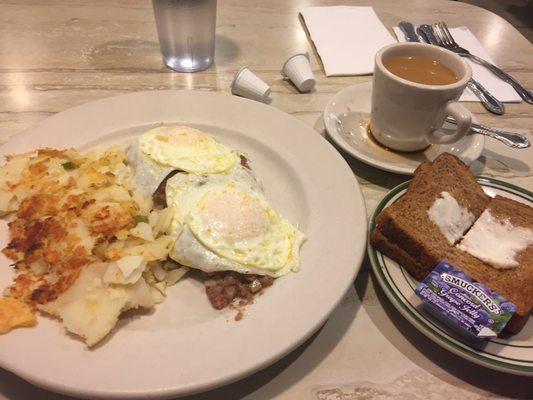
x=186, y=30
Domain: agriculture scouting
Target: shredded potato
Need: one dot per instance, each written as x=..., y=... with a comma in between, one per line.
x=77, y=215
x=14, y=314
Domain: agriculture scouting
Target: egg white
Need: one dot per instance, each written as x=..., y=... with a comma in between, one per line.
x=148, y=174
x=187, y=149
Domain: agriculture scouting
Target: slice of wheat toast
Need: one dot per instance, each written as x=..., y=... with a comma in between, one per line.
x=515, y=284
x=406, y=222
x=396, y=253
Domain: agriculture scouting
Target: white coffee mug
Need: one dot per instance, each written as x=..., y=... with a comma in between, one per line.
x=408, y=116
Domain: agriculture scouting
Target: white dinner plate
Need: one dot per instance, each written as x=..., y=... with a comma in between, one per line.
x=347, y=116
x=184, y=345
x=513, y=355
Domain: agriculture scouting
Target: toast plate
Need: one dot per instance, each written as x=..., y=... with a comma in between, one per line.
x=513, y=355
x=347, y=116
x=185, y=346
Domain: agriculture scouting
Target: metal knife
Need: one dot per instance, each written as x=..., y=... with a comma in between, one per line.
x=409, y=31
x=426, y=32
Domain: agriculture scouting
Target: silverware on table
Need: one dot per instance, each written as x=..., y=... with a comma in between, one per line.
x=409, y=31
x=512, y=139
x=490, y=102
x=426, y=33
x=447, y=41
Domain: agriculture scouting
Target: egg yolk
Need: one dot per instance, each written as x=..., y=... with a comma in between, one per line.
x=235, y=216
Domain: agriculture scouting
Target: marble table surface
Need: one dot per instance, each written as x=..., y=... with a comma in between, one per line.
x=56, y=54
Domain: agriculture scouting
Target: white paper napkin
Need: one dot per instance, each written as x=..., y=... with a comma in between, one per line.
x=347, y=38
x=501, y=90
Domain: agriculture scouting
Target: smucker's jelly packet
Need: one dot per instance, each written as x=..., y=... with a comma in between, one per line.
x=465, y=304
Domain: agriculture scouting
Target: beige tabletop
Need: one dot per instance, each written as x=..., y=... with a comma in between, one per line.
x=57, y=54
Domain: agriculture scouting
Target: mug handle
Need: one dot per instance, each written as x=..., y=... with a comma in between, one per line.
x=462, y=116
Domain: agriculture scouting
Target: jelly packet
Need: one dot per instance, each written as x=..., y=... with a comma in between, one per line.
x=464, y=303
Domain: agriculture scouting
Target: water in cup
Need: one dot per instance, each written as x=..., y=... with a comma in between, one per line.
x=186, y=30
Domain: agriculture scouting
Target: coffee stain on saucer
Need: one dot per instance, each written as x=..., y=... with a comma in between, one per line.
x=355, y=129
x=365, y=125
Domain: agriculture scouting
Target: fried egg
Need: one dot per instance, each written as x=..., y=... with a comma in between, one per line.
x=223, y=222
x=168, y=148
x=187, y=149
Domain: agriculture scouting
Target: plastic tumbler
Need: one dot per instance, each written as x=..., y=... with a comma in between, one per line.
x=186, y=30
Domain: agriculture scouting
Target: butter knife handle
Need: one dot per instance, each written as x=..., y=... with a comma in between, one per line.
x=512, y=139
x=409, y=31
x=490, y=102
x=521, y=90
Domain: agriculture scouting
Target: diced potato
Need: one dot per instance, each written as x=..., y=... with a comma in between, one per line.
x=161, y=286
x=39, y=267
x=160, y=220
x=79, y=229
x=122, y=174
x=159, y=272
x=75, y=192
x=123, y=234
x=157, y=294
x=126, y=270
x=143, y=231
x=107, y=217
x=14, y=313
x=151, y=251
x=8, y=202
x=159, y=248
x=145, y=203
x=100, y=250
x=148, y=276
x=90, y=308
x=113, y=193
x=22, y=193
x=133, y=241
x=11, y=172
x=173, y=276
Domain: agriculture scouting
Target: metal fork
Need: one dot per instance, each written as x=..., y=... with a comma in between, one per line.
x=447, y=41
x=488, y=100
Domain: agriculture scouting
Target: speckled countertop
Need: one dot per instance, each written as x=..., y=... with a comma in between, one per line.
x=56, y=54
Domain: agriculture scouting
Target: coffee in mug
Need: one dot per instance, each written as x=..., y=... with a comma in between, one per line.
x=421, y=70
x=415, y=87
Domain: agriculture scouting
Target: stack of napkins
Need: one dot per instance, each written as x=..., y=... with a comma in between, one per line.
x=464, y=38
x=347, y=38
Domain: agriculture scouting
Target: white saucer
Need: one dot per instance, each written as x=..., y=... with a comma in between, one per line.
x=347, y=116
